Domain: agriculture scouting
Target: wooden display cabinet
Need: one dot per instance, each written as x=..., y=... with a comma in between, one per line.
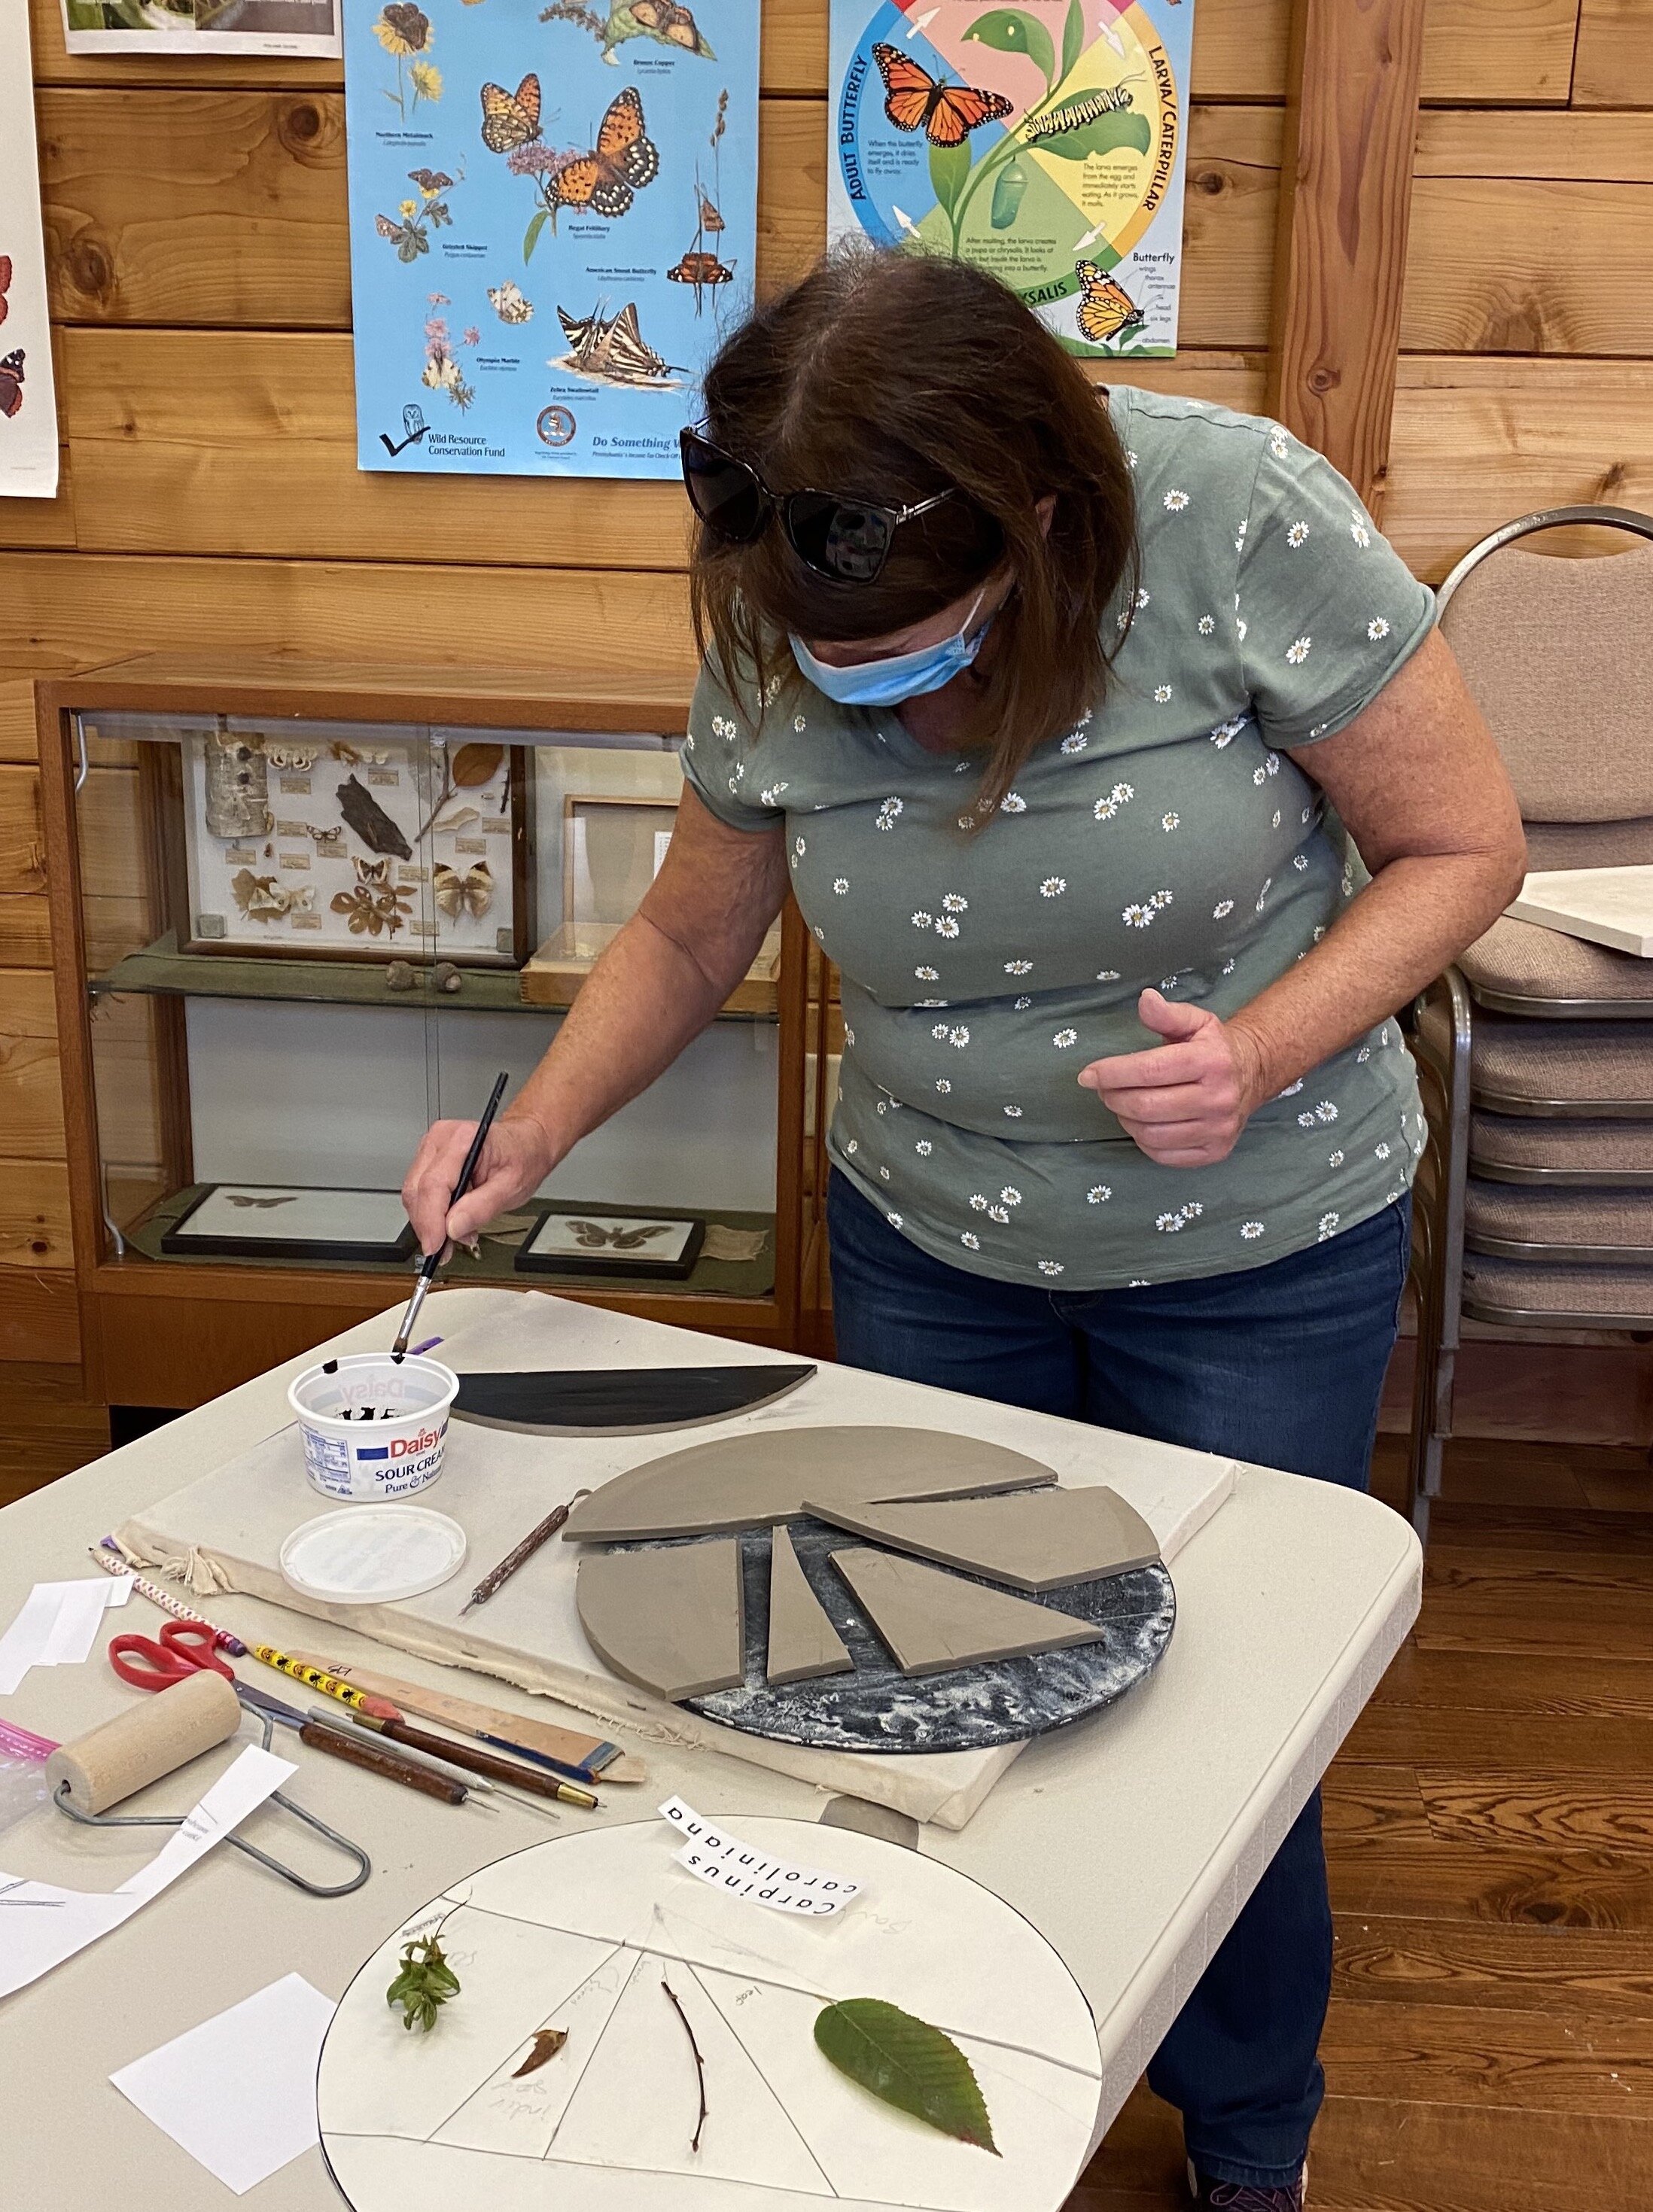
x=255, y=1047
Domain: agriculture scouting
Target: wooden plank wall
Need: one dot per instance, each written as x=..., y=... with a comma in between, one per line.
x=196, y=235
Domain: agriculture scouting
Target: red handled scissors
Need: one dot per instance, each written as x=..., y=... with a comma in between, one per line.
x=184, y=1647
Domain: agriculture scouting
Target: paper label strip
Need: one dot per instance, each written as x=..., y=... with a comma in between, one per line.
x=723, y=1864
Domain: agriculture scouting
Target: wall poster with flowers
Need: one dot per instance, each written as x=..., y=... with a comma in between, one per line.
x=553, y=223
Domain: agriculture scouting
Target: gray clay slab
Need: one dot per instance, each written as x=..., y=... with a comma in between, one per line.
x=877, y=1708
x=670, y=1620
x=753, y=1480
x=802, y=1642
x=1037, y=1539
x=936, y=1622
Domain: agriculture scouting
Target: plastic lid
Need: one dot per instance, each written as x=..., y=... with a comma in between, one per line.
x=372, y=1554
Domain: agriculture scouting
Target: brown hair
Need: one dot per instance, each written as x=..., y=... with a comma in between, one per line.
x=889, y=376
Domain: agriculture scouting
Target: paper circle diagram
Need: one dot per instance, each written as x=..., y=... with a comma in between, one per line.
x=579, y=1933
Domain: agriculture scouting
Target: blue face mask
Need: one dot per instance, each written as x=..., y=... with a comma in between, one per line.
x=902, y=676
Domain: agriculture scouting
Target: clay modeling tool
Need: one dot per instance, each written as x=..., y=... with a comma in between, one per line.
x=476, y=1783
x=585, y=1757
x=433, y=1260
x=109, y=1558
x=318, y=1678
x=519, y=1554
x=483, y=1762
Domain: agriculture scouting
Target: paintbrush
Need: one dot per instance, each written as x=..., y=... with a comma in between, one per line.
x=433, y=1260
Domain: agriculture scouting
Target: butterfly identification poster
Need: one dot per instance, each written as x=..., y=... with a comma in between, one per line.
x=29, y=412
x=1046, y=142
x=553, y=222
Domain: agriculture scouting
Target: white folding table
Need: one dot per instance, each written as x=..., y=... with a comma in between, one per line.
x=1131, y=1839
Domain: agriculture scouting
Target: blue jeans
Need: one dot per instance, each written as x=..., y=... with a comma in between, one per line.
x=1282, y=1363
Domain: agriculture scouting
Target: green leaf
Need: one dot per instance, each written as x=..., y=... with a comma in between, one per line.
x=1008, y=31
x=907, y=2064
x=1073, y=37
x=1008, y=187
x=531, y=238
x=1122, y=128
x=949, y=167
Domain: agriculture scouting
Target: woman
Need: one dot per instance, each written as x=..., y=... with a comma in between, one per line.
x=1052, y=708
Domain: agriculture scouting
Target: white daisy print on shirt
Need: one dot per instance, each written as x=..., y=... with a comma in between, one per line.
x=1277, y=442
x=1376, y=628
x=798, y=722
x=723, y=727
x=1019, y=967
x=943, y=1086
x=1121, y=795
x=953, y=903
x=1052, y=887
x=1161, y=693
x=1328, y=1225
x=1334, y=1159
x=1014, y=1112
x=1074, y=742
x=1226, y=732
x=928, y=975
x=997, y=1213
x=771, y=792
x=946, y=925
x=888, y=811
x=1357, y=529
x=1012, y=803
x=1063, y=1038
x=1206, y=625
x=841, y=884
x=1222, y=910
x=1099, y=1194
x=970, y=1241
x=1051, y=1267
x=1169, y=1224
x=1175, y=502
x=1108, y=975
x=1022, y=1004
x=1010, y=1195
x=978, y=1204
x=1298, y=535
x=924, y=1148
x=894, y=1219
x=1169, y=821
x=1251, y=1231
x=1297, y=652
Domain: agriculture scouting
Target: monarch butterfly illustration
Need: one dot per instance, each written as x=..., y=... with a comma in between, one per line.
x=1076, y=115
x=915, y=100
x=510, y=119
x=11, y=383
x=1106, y=309
x=623, y=161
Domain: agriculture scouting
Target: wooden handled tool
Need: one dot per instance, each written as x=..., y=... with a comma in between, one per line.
x=375, y=1761
x=483, y=1762
x=521, y=1554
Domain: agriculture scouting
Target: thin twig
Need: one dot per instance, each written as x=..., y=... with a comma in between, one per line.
x=699, y=2064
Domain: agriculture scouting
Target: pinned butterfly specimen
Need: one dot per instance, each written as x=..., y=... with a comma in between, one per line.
x=510, y=119
x=915, y=100
x=329, y=843
x=595, y=1236
x=1106, y=309
x=11, y=383
x=472, y=893
x=623, y=161
x=611, y=349
x=262, y=898
x=374, y=906
x=508, y=304
x=246, y=1198
x=5, y=285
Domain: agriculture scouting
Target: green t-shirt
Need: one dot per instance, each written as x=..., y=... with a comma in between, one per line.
x=1164, y=842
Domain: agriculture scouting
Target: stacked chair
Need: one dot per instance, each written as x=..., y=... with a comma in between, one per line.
x=1535, y=1197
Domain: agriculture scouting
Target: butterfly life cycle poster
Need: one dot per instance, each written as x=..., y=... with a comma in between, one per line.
x=29, y=412
x=1045, y=143
x=553, y=223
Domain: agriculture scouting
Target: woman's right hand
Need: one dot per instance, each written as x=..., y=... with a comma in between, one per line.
x=515, y=1161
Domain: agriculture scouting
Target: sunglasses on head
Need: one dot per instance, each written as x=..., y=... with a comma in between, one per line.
x=847, y=539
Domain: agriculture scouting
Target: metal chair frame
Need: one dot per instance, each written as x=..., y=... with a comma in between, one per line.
x=1441, y=1191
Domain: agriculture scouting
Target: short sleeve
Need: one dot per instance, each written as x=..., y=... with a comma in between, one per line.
x=714, y=758
x=1326, y=609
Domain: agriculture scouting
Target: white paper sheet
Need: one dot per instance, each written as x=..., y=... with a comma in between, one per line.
x=28, y=408
x=58, y=1625
x=41, y=1925
x=238, y=2092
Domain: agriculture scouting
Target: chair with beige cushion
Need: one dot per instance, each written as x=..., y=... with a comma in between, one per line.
x=1534, y=1205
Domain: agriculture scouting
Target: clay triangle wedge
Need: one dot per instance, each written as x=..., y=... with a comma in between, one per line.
x=933, y=1621
x=802, y=1642
x=1037, y=1539
x=764, y=1475
x=672, y=1621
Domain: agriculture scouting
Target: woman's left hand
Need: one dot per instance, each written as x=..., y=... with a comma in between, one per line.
x=1183, y=1103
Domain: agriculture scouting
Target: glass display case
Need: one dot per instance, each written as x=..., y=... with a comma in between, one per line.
x=300, y=914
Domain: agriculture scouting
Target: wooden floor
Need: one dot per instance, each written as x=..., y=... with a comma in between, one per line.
x=1490, y=1830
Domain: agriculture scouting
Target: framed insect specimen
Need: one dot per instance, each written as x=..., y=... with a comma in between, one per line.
x=337, y=842
x=283, y=1221
x=583, y=1241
